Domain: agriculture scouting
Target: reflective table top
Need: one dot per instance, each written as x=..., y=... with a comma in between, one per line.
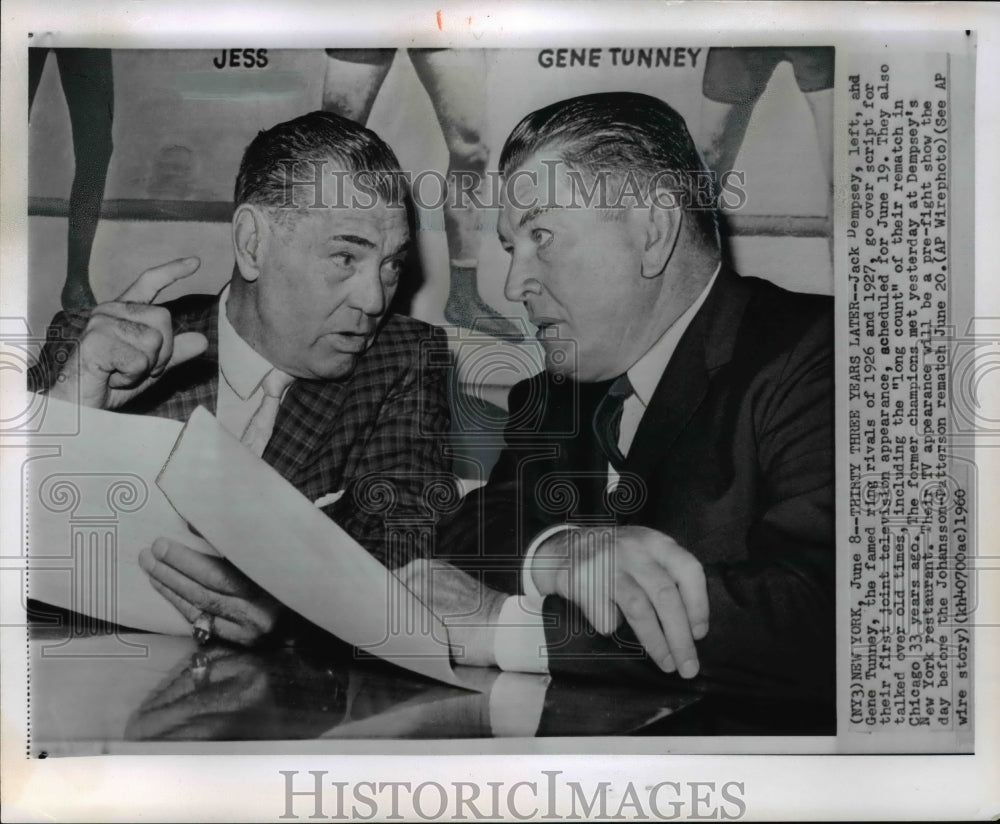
x=107, y=692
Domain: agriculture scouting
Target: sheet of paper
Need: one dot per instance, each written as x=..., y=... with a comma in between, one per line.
x=278, y=538
x=92, y=506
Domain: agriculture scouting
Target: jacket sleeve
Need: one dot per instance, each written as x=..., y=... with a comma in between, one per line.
x=490, y=531
x=771, y=620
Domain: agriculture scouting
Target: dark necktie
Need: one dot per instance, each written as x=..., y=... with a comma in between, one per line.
x=608, y=418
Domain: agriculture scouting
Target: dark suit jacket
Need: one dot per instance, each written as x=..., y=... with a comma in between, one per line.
x=379, y=433
x=733, y=459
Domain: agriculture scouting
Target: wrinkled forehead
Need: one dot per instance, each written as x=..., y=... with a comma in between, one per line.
x=381, y=224
x=546, y=184
x=540, y=181
x=324, y=181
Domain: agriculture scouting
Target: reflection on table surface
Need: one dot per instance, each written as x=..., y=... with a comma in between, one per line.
x=89, y=693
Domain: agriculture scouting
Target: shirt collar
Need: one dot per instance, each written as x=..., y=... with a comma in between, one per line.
x=243, y=368
x=645, y=374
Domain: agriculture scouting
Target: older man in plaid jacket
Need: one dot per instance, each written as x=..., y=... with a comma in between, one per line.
x=296, y=357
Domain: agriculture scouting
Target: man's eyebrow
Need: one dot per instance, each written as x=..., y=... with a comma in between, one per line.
x=534, y=212
x=357, y=240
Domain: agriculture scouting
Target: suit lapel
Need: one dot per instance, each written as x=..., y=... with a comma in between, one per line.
x=305, y=421
x=677, y=396
x=706, y=345
x=304, y=425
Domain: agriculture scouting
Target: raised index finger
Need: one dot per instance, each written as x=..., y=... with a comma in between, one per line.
x=151, y=282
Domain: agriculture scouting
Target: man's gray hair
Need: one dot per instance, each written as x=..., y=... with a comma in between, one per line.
x=625, y=136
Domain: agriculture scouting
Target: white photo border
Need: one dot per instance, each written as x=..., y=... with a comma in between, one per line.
x=250, y=787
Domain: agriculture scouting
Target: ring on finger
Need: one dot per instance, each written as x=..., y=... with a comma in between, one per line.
x=203, y=628
x=199, y=667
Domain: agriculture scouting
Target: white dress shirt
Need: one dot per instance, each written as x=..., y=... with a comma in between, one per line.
x=520, y=636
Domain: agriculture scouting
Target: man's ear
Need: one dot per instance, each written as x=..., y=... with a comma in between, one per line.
x=662, y=224
x=250, y=230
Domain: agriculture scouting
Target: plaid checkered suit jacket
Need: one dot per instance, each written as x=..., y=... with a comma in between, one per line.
x=379, y=434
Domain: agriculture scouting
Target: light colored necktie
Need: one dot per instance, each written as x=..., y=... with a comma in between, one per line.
x=258, y=431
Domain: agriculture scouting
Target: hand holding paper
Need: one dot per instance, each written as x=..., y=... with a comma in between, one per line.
x=301, y=557
x=299, y=560
x=196, y=583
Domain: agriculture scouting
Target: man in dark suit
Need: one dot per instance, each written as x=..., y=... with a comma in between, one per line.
x=297, y=356
x=664, y=502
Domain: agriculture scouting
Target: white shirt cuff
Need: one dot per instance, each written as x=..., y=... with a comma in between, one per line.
x=527, y=582
x=519, y=643
x=516, y=703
